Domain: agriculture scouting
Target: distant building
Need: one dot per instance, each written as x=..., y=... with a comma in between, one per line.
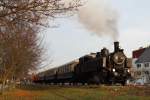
x=141, y=65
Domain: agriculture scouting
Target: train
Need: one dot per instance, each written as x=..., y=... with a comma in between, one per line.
x=102, y=67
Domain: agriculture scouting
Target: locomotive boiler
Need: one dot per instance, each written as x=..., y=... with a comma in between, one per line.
x=96, y=68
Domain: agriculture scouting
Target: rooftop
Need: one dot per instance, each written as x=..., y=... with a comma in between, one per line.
x=145, y=56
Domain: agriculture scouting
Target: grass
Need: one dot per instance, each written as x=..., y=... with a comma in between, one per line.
x=41, y=92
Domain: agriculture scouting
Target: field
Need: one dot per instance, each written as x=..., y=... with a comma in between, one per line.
x=37, y=92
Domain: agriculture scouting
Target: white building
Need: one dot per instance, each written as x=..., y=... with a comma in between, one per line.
x=141, y=66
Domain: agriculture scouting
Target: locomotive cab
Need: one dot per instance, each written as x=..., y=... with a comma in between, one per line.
x=104, y=58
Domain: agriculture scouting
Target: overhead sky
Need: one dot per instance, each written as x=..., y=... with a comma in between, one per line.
x=72, y=39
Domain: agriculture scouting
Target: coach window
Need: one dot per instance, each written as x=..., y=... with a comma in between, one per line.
x=65, y=68
x=59, y=70
x=62, y=70
x=147, y=72
x=138, y=65
x=69, y=68
x=146, y=64
x=138, y=73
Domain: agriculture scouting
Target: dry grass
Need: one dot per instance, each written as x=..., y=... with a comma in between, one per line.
x=77, y=93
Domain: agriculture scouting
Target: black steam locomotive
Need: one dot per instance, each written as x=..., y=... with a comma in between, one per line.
x=96, y=68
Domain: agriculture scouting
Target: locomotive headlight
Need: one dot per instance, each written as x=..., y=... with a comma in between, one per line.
x=128, y=70
x=114, y=70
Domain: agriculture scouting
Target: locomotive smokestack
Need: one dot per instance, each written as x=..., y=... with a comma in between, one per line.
x=116, y=46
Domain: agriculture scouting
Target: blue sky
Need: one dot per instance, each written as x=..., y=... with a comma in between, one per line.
x=72, y=40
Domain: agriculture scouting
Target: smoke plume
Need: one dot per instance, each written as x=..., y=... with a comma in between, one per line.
x=99, y=17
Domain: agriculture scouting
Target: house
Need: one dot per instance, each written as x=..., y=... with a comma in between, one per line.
x=141, y=66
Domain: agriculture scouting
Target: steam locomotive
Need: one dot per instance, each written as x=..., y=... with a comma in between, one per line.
x=96, y=68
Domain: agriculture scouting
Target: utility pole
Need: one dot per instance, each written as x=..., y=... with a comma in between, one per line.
x=1, y=69
x=1, y=62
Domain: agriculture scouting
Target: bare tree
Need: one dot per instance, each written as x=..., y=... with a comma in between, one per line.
x=21, y=51
x=20, y=23
x=34, y=12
